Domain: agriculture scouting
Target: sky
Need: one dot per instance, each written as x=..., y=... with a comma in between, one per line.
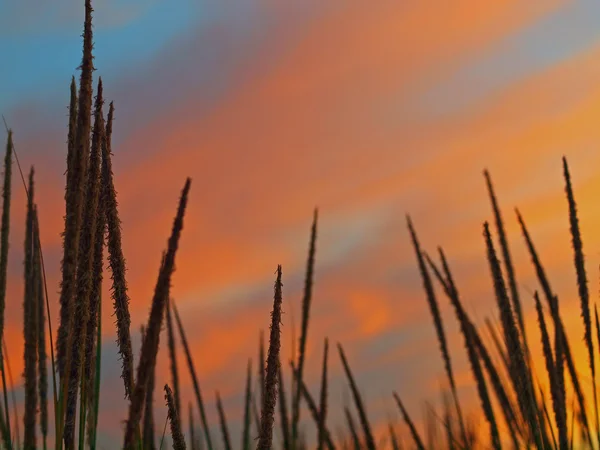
x=368, y=111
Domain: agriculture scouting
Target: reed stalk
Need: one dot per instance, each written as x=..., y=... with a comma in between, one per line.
x=362, y=413
x=438, y=324
x=584, y=295
x=223, y=421
x=192, y=370
x=306, y=301
x=413, y=430
x=76, y=191
x=116, y=261
x=30, y=326
x=173, y=415
x=173, y=358
x=267, y=418
x=151, y=338
x=323, y=406
x=247, y=406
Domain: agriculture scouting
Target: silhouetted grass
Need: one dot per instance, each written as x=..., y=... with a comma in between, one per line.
x=267, y=417
x=358, y=401
x=176, y=434
x=30, y=327
x=247, y=406
x=306, y=302
x=91, y=214
x=323, y=405
x=151, y=337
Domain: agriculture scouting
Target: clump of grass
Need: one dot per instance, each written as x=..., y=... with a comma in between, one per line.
x=438, y=323
x=85, y=266
x=312, y=407
x=93, y=344
x=267, y=417
x=563, y=349
x=518, y=368
x=467, y=331
x=80, y=286
x=79, y=159
x=176, y=434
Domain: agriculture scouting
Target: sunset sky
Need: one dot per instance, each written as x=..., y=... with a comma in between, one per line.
x=366, y=110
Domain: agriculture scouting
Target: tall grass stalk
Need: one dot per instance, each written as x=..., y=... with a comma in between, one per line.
x=267, y=417
x=559, y=414
x=4, y=234
x=95, y=400
x=262, y=370
x=306, y=301
x=519, y=371
x=223, y=422
x=413, y=430
x=30, y=326
x=41, y=323
x=323, y=406
x=312, y=407
x=192, y=370
x=173, y=415
x=256, y=412
x=173, y=359
x=393, y=438
x=68, y=262
x=438, y=323
x=247, y=407
x=362, y=413
x=116, y=261
x=352, y=429
x=508, y=265
x=75, y=210
x=283, y=414
x=559, y=330
x=148, y=425
x=13, y=397
x=584, y=295
x=151, y=338
x=193, y=444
